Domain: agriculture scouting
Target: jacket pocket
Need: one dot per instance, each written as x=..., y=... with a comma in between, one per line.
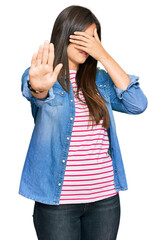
x=59, y=97
x=104, y=90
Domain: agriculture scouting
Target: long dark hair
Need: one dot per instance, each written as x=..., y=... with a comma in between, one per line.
x=78, y=18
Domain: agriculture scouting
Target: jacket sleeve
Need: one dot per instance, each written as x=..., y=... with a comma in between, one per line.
x=132, y=100
x=27, y=93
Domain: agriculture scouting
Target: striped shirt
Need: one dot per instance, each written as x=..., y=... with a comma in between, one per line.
x=89, y=171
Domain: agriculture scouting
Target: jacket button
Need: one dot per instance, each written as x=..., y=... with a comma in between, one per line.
x=59, y=184
x=63, y=161
x=71, y=118
x=62, y=92
x=100, y=85
x=105, y=85
x=68, y=138
x=71, y=100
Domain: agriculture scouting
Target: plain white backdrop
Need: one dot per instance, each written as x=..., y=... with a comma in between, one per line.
x=133, y=33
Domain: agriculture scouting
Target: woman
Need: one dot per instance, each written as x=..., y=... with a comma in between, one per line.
x=73, y=168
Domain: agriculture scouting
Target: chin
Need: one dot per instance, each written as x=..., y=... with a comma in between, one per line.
x=82, y=59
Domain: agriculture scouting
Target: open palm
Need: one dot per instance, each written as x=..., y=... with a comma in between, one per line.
x=41, y=74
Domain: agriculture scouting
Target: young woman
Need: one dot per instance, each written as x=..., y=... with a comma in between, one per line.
x=73, y=168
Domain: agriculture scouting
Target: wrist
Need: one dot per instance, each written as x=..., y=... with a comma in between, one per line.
x=33, y=90
x=104, y=57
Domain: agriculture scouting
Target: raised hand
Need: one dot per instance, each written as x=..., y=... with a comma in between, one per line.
x=41, y=74
x=91, y=45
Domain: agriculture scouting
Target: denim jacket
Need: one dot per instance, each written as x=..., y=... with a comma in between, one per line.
x=44, y=167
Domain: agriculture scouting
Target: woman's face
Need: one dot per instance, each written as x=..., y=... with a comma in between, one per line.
x=75, y=57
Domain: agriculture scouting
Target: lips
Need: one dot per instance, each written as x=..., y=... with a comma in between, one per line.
x=84, y=53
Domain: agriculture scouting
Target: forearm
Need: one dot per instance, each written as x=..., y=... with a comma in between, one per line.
x=117, y=74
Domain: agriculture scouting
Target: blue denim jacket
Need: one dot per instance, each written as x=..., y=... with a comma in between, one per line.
x=44, y=167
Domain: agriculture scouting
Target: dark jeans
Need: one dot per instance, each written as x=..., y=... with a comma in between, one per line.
x=82, y=221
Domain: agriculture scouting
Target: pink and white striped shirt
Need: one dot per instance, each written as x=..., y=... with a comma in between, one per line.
x=89, y=170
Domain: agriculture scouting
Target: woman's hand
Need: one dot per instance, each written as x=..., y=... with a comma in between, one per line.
x=88, y=44
x=41, y=74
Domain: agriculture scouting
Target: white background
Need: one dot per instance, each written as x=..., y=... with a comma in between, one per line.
x=133, y=34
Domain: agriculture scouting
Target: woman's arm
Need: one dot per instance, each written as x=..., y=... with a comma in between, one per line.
x=42, y=95
x=132, y=100
x=117, y=74
x=41, y=75
x=29, y=95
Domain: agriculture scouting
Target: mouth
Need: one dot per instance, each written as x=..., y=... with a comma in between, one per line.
x=84, y=53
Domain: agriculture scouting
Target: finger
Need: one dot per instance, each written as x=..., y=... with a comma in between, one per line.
x=56, y=72
x=82, y=34
x=34, y=60
x=39, y=55
x=51, y=55
x=96, y=35
x=76, y=37
x=82, y=43
x=80, y=48
x=45, y=52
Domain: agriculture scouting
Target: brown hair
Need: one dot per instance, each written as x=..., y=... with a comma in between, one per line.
x=78, y=18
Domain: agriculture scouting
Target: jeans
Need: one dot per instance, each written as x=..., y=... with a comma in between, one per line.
x=82, y=221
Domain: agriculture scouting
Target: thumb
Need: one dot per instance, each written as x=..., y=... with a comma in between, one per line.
x=96, y=35
x=57, y=71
